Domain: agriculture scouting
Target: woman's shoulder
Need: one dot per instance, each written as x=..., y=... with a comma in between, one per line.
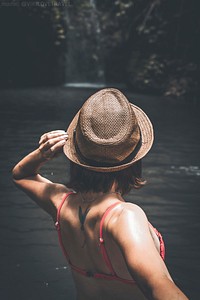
x=59, y=191
x=127, y=217
x=132, y=207
x=131, y=210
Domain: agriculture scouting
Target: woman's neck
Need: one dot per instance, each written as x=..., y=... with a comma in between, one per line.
x=90, y=197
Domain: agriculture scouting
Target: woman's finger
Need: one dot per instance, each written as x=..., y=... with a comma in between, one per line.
x=49, y=135
x=57, y=147
x=50, y=138
x=51, y=142
x=52, y=151
x=50, y=147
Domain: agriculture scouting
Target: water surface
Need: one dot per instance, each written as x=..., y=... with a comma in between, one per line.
x=32, y=265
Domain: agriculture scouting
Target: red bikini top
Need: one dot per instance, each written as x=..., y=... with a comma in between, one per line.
x=112, y=275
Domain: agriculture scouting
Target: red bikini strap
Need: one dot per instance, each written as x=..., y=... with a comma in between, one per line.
x=162, y=245
x=59, y=209
x=104, y=216
x=57, y=225
x=101, y=240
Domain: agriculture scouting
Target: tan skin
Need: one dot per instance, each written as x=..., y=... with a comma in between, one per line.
x=132, y=245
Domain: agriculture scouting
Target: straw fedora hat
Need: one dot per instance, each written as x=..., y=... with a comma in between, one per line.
x=108, y=133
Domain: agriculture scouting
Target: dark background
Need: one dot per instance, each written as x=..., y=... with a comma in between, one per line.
x=149, y=46
x=53, y=55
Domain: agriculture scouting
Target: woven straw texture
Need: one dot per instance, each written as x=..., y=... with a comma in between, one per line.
x=105, y=132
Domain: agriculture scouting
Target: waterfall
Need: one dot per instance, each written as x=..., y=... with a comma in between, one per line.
x=84, y=56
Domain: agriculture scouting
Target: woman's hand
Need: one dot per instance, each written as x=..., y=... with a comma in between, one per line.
x=26, y=173
x=51, y=143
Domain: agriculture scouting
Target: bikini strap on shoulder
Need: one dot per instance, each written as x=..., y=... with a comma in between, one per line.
x=57, y=223
x=101, y=240
x=103, y=219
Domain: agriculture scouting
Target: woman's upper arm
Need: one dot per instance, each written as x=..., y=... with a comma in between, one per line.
x=130, y=230
x=43, y=192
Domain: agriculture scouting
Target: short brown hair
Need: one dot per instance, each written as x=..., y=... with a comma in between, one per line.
x=85, y=180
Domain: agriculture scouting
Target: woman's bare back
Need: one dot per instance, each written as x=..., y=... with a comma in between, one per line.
x=81, y=241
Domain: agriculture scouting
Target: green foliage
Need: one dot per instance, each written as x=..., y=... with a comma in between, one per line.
x=148, y=45
x=157, y=41
x=49, y=11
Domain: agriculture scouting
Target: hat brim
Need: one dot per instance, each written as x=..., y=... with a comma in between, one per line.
x=147, y=137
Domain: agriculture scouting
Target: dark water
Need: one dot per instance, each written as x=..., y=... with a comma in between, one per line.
x=32, y=266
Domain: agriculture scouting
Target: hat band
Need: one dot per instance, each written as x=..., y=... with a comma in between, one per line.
x=94, y=163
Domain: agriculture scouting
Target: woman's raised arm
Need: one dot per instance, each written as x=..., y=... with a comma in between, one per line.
x=26, y=173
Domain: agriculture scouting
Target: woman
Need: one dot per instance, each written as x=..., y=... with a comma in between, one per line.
x=111, y=247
